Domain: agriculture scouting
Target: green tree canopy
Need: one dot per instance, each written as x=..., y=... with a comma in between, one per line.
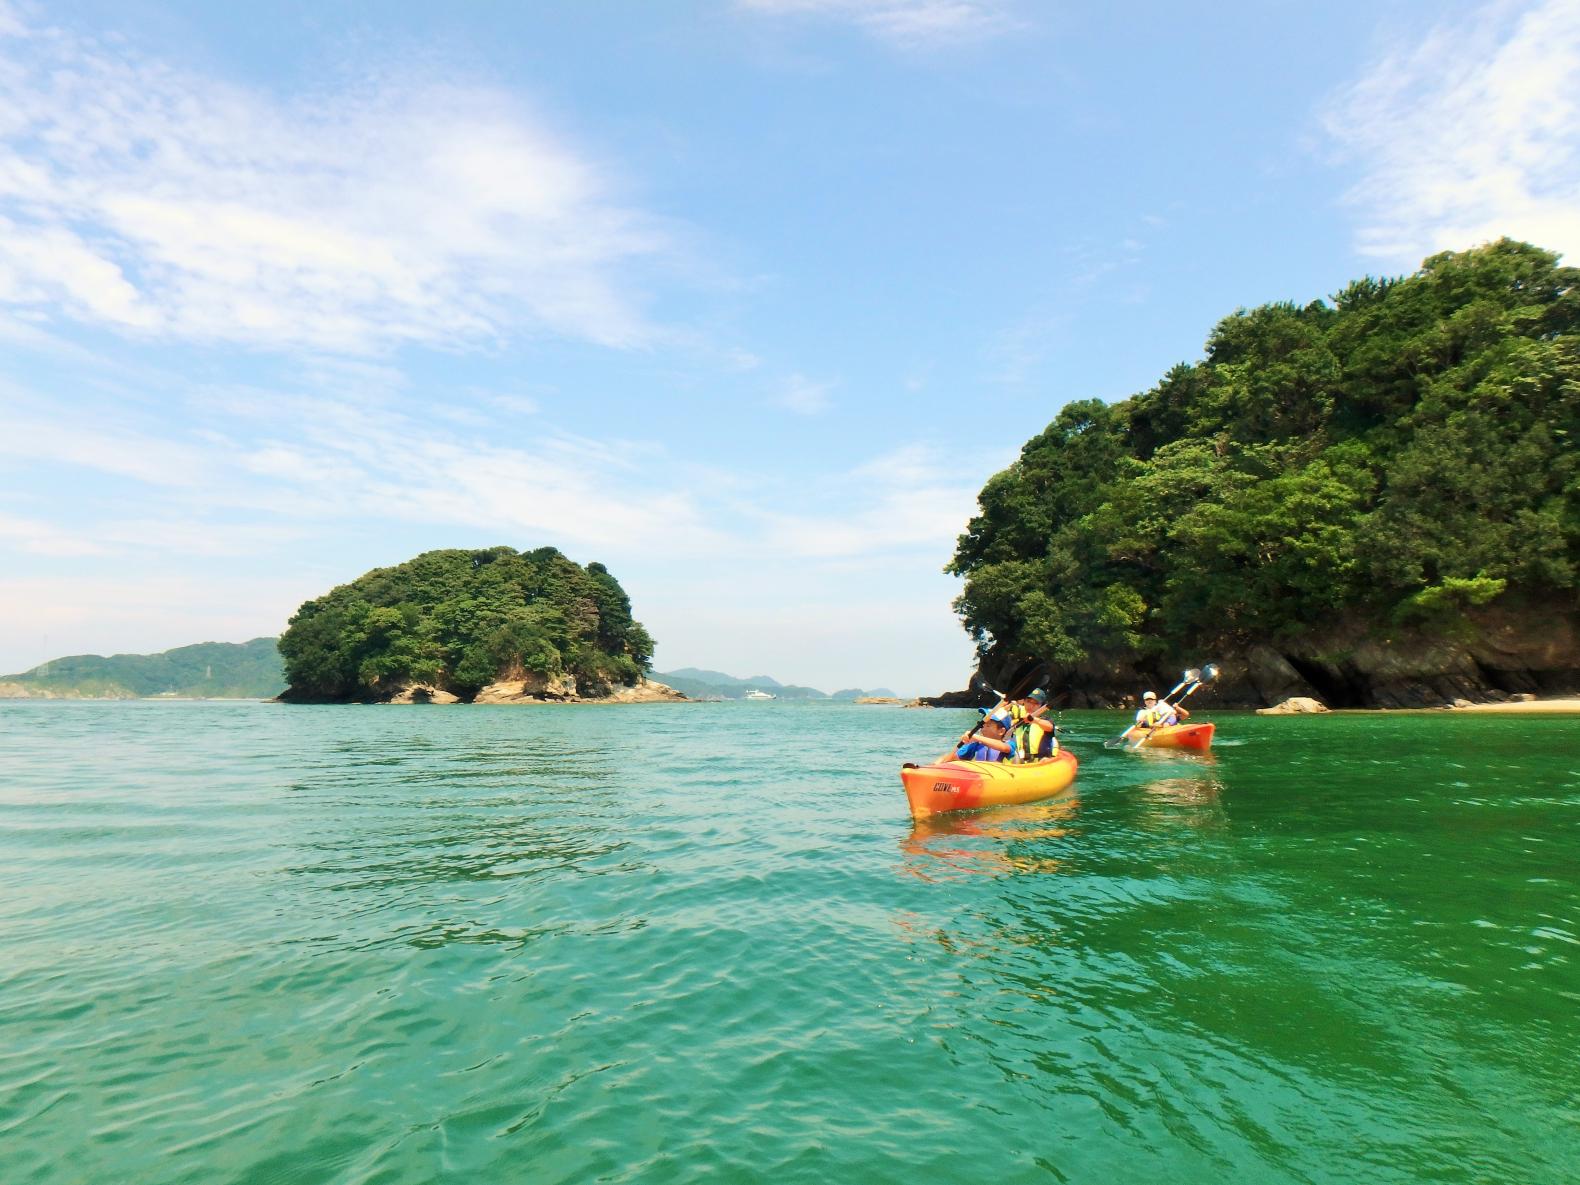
x=461, y=620
x=1394, y=455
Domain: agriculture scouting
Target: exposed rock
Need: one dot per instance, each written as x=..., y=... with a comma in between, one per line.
x=1295, y=705
x=646, y=692
x=519, y=686
x=562, y=690
x=954, y=699
x=423, y=695
x=1522, y=697
x=1272, y=676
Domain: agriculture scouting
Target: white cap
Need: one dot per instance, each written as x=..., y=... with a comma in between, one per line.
x=1149, y=695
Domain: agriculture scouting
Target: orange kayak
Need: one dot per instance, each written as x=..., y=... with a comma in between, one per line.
x=1197, y=737
x=967, y=785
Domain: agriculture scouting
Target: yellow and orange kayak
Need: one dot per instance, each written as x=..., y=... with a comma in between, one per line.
x=967, y=785
x=1197, y=737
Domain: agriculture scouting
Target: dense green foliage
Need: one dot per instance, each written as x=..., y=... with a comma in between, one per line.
x=461, y=620
x=1392, y=457
x=213, y=670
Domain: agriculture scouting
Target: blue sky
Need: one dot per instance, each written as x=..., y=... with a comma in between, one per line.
x=744, y=298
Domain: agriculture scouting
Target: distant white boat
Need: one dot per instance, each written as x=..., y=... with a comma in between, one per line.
x=755, y=694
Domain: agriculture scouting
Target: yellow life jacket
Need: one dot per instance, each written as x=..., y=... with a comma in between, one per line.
x=1028, y=737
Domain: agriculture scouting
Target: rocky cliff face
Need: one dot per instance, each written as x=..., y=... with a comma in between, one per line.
x=1486, y=657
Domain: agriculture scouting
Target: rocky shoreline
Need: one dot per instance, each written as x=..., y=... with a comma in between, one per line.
x=1493, y=657
x=530, y=690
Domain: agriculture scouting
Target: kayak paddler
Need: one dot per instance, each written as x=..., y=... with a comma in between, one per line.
x=1155, y=713
x=989, y=741
x=1031, y=732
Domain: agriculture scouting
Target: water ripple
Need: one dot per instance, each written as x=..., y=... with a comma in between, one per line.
x=252, y=943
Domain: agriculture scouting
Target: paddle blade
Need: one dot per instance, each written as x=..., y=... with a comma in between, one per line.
x=1038, y=676
x=982, y=688
x=1209, y=672
x=1024, y=678
x=1190, y=676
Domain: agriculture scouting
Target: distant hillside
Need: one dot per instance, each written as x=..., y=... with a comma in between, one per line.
x=209, y=670
x=700, y=684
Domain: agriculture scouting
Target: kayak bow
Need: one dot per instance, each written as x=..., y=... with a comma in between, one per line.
x=1196, y=737
x=968, y=785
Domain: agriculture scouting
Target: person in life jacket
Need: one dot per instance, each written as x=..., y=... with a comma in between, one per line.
x=1031, y=733
x=1156, y=714
x=991, y=740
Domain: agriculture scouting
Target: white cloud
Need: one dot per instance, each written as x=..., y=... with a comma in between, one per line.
x=913, y=499
x=1472, y=134
x=41, y=538
x=42, y=433
x=157, y=202
x=906, y=24
x=804, y=396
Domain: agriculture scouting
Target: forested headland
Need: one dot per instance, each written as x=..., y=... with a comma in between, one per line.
x=1374, y=499
x=458, y=621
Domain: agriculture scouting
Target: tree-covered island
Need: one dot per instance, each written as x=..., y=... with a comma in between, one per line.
x=1375, y=500
x=456, y=622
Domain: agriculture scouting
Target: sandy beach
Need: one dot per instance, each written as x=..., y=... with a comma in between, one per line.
x=1562, y=704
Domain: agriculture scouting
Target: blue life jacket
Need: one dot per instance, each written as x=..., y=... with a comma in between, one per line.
x=977, y=751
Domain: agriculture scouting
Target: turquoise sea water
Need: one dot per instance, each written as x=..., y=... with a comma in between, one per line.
x=256, y=943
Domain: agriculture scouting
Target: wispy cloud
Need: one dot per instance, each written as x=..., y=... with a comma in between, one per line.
x=1017, y=353
x=905, y=24
x=37, y=537
x=914, y=498
x=1471, y=134
x=804, y=396
x=164, y=203
x=259, y=469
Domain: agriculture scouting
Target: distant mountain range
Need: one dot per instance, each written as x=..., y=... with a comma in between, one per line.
x=208, y=670
x=700, y=684
x=254, y=670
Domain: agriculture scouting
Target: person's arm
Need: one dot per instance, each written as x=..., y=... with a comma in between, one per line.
x=994, y=743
